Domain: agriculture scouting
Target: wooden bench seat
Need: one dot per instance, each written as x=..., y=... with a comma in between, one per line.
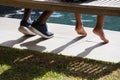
x=100, y=7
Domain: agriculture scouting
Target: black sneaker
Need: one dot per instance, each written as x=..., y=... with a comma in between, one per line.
x=24, y=28
x=41, y=29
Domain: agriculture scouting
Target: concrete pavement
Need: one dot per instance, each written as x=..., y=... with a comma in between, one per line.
x=65, y=41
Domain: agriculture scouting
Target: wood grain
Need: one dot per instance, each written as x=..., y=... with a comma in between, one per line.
x=99, y=7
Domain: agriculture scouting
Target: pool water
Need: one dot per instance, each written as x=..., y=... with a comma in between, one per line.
x=111, y=22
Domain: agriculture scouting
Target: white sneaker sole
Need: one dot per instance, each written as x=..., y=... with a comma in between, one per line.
x=39, y=33
x=26, y=31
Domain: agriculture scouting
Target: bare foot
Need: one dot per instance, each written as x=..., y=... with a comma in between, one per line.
x=81, y=31
x=100, y=33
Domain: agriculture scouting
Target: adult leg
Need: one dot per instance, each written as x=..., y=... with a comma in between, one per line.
x=79, y=26
x=44, y=16
x=27, y=13
x=98, y=30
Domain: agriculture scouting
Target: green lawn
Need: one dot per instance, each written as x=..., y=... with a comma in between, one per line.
x=17, y=64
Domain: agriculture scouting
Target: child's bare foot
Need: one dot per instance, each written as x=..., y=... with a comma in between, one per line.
x=100, y=33
x=81, y=31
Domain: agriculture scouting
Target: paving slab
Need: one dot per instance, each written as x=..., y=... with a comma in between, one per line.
x=65, y=41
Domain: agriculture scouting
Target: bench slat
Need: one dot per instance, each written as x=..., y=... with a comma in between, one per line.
x=99, y=7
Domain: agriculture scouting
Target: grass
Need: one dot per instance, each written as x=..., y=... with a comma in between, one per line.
x=17, y=64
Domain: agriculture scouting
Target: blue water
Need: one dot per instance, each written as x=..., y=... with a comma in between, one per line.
x=111, y=22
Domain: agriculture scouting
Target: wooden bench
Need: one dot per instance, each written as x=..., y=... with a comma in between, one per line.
x=98, y=7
